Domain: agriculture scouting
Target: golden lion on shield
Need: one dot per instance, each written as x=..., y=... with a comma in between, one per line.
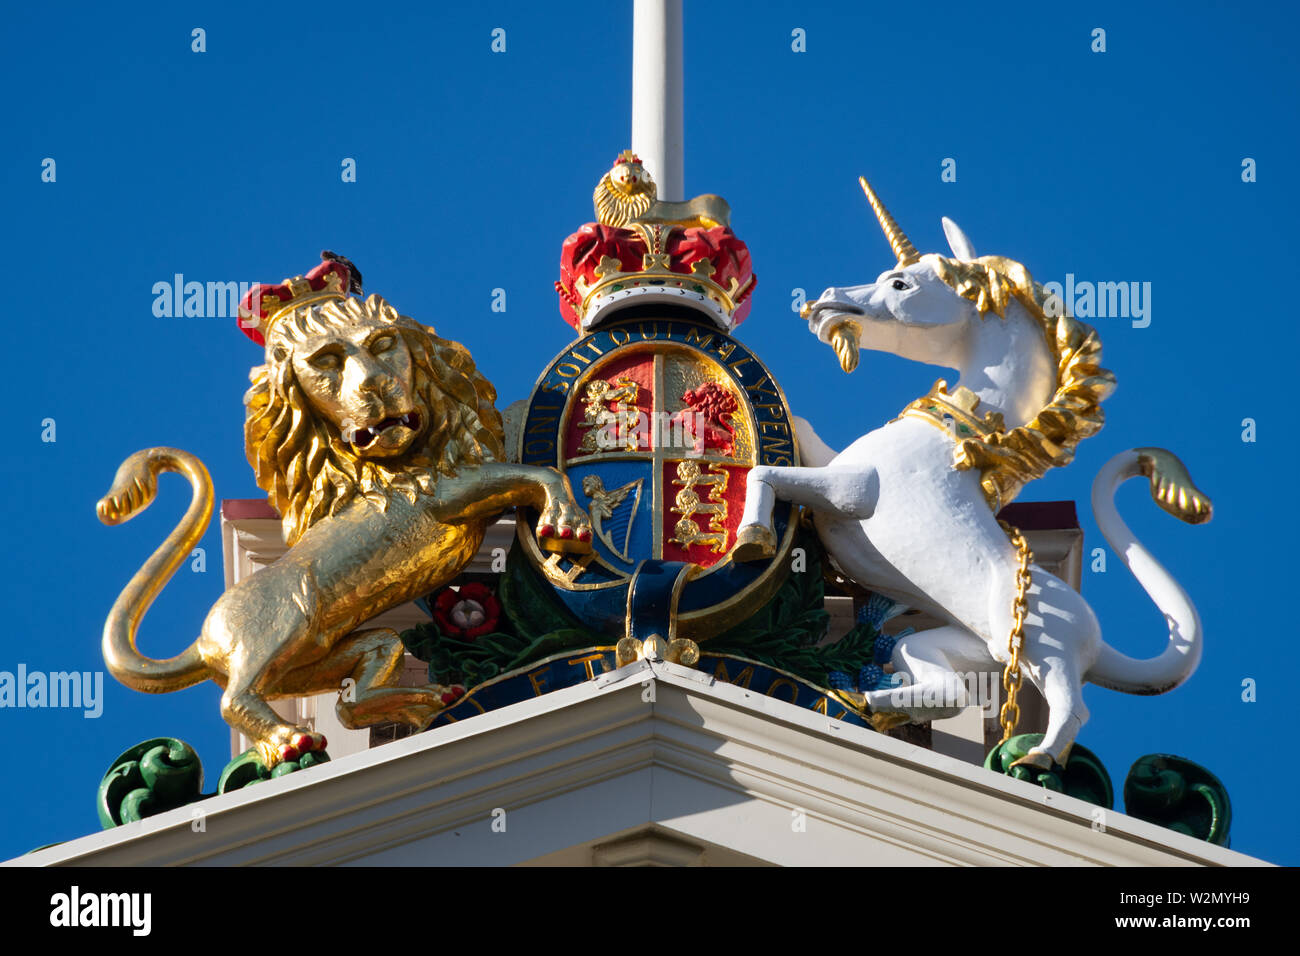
x=379, y=445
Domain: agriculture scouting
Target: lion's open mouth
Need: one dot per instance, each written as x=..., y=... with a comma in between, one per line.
x=364, y=437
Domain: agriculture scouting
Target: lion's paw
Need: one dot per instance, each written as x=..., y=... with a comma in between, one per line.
x=448, y=694
x=564, y=527
x=289, y=743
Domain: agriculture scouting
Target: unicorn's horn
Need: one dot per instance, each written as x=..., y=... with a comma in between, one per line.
x=898, y=240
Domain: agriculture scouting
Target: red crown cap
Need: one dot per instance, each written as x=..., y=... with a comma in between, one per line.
x=334, y=278
x=605, y=267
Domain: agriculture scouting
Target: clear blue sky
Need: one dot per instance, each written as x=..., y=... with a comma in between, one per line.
x=473, y=166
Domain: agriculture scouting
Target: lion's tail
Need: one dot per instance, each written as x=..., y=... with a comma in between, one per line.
x=134, y=487
x=1171, y=488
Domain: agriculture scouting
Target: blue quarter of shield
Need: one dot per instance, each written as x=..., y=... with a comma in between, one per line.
x=618, y=495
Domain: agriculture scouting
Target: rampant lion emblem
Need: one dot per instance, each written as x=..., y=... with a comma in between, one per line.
x=379, y=445
x=709, y=406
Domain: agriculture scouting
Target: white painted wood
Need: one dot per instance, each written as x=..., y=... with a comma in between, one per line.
x=657, y=135
x=900, y=519
x=699, y=763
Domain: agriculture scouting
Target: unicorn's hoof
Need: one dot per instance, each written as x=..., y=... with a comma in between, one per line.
x=1038, y=759
x=753, y=543
x=886, y=720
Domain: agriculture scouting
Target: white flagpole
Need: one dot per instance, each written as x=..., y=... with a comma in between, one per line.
x=657, y=93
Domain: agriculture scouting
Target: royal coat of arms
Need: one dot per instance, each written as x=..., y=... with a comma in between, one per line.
x=657, y=415
x=662, y=499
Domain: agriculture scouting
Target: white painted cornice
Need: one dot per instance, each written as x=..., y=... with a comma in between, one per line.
x=652, y=763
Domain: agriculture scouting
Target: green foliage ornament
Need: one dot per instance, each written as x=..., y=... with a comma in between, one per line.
x=150, y=778
x=782, y=634
x=164, y=773
x=533, y=625
x=1174, y=792
x=248, y=769
x=1083, y=775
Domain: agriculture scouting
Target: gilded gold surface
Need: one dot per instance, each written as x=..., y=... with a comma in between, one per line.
x=686, y=371
x=902, y=247
x=550, y=564
x=703, y=623
x=955, y=413
x=656, y=269
x=1172, y=487
x=688, y=503
x=753, y=543
x=844, y=340
x=616, y=424
x=377, y=442
x=627, y=651
x=654, y=647
x=603, y=504
x=883, y=721
x=627, y=194
x=623, y=193
x=625, y=198
x=1009, y=460
x=1009, y=715
x=684, y=652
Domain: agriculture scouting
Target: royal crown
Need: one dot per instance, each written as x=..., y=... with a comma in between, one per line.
x=641, y=250
x=334, y=278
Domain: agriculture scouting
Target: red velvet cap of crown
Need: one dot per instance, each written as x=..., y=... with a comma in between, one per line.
x=584, y=251
x=264, y=301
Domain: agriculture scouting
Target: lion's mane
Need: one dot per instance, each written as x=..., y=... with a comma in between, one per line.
x=308, y=472
x=615, y=206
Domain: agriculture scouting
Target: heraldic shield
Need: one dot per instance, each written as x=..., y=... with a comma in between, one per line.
x=656, y=422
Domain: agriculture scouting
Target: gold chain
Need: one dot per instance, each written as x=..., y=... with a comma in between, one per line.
x=1011, y=676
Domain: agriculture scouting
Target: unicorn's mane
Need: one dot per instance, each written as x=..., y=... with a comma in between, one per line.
x=1009, y=460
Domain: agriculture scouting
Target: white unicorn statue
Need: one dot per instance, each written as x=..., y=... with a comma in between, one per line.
x=909, y=510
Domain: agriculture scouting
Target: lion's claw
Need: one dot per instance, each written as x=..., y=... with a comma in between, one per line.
x=289, y=744
x=307, y=742
x=564, y=527
x=449, y=695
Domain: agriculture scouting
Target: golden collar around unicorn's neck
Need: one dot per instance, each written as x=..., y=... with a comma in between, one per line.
x=955, y=413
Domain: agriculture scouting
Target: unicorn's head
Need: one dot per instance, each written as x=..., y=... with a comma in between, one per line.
x=925, y=307
x=1037, y=367
x=935, y=309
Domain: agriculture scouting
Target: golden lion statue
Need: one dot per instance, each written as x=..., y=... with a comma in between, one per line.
x=379, y=445
x=626, y=195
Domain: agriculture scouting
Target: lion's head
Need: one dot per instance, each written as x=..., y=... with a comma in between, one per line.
x=624, y=193
x=356, y=399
